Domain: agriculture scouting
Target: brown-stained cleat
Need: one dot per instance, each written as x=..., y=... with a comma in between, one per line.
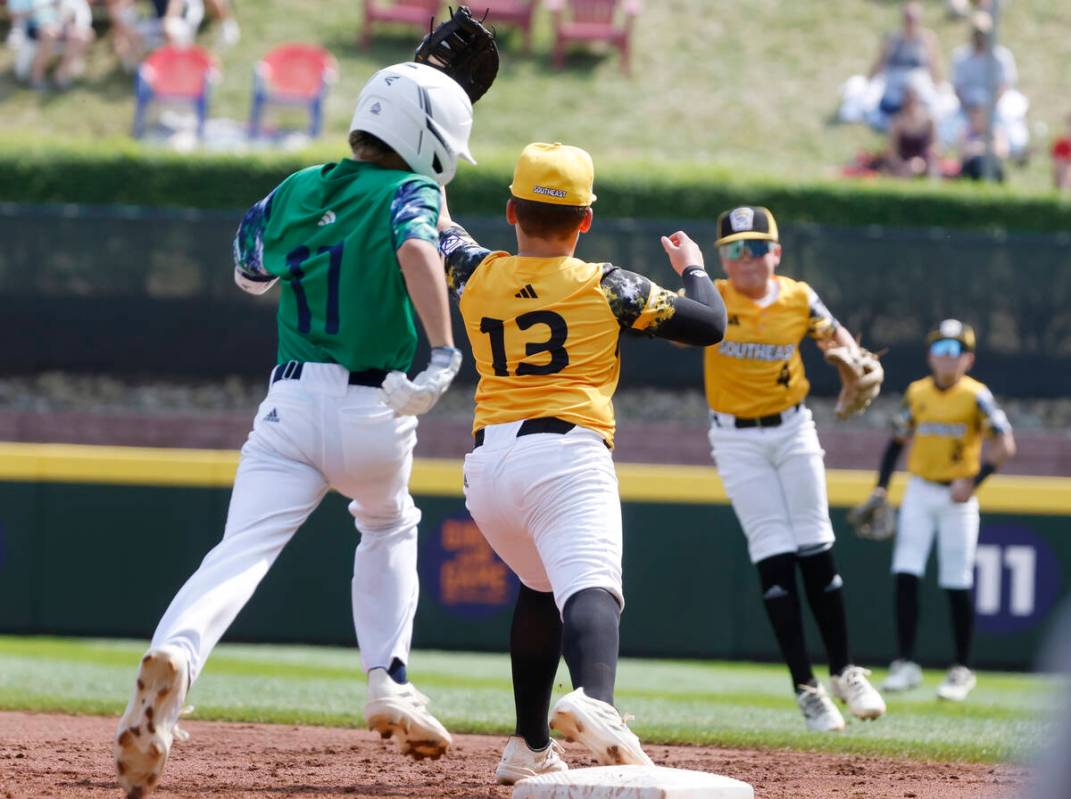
x=149, y=724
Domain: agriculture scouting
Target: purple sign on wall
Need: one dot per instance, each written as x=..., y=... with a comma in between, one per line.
x=1017, y=579
x=463, y=573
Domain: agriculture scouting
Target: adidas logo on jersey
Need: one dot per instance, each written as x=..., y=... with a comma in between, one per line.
x=327, y=219
x=272, y=416
x=527, y=293
x=734, y=319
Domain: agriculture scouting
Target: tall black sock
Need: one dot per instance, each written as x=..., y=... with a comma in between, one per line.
x=907, y=614
x=825, y=595
x=959, y=602
x=590, y=641
x=777, y=575
x=535, y=647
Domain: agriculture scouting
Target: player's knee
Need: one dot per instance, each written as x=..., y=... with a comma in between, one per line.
x=777, y=577
x=396, y=520
x=819, y=569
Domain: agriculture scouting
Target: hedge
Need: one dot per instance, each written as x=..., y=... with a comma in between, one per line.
x=127, y=173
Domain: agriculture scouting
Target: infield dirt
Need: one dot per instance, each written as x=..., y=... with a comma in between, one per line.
x=57, y=756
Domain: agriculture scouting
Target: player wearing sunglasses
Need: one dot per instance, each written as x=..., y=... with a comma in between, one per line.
x=947, y=415
x=766, y=448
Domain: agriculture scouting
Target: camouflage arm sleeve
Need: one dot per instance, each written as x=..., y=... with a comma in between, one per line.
x=461, y=256
x=414, y=213
x=249, y=244
x=821, y=324
x=642, y=305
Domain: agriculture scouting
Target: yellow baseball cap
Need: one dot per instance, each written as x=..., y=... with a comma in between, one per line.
x=557, y=173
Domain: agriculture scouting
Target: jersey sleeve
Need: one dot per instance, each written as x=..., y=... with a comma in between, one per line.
x=903, y=422
x=461, y=255
x=249, y=271
x=821, y=324
x=993, y=419
x=635, y=301
x=414, y=213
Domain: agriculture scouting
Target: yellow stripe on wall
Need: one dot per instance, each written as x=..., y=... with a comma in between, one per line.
x=205, y=468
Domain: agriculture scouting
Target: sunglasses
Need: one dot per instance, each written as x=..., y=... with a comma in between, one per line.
x=947, y=347
x=734, y=250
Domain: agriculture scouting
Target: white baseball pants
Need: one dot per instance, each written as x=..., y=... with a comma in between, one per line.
x=548, y=504
x=776, y=481
x=310, y=435
x=927, y=508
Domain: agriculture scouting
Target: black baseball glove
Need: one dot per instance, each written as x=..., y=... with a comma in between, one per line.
x=464, y=49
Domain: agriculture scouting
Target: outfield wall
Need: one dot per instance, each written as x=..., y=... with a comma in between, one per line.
x=96, y=540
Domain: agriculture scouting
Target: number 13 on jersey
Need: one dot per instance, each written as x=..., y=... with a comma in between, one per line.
x=555, y=332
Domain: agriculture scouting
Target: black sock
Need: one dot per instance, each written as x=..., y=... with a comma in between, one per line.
x=959, y=602
x=535, y=647
x=397, y=672
x=777, y=575
x=590, y=641
x=907, y=614
x=825, y=595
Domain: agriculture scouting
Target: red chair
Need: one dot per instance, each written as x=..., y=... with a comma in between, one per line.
x=174, y=74
x=517, y=13
x=607, y=21
x=293, y=74
x=407, y=12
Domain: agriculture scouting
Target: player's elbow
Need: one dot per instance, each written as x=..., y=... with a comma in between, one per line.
x=1004, y=448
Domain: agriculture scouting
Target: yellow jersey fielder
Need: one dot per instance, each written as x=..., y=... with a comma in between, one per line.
x=947, y=414
x=766, y=448
x=540, y=482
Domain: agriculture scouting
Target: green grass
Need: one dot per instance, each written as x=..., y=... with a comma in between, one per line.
x=749, y=87
x=727, y=704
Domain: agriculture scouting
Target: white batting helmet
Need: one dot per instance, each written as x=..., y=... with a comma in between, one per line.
x=422, y=114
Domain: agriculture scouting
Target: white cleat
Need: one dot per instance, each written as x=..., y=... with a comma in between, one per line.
x=903, y=676
x=150, y=723
x=854, y=689
x=519, y=761
x=599, y=727
x=401, y=711
x=818, y=709
x=959, y=682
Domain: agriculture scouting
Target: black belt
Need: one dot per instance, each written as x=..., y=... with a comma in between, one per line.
x=291, y=370
x=546, y=424
x=772, y=420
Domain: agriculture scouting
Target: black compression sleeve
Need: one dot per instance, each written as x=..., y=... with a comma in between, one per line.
x=699, y=317
x=986, y=470
x=698, y=287
x=888, y=461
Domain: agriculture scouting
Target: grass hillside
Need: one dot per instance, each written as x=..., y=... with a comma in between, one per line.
x=749, y=87
x=728, y=704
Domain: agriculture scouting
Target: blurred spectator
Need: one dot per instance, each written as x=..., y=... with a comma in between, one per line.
x=972, y=147
x=50, y=28
x=971, y=68
x=909, y=54
x=912, y=138
x=971, y=65
x=229, y=32
x=136, y=33
x=1061, y=159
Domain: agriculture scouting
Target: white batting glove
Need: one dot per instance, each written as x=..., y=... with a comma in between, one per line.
x=413, y=397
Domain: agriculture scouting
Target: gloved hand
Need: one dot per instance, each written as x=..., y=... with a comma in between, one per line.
x=413, y=397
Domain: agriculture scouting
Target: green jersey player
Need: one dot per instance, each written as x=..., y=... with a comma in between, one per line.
x=354, y=247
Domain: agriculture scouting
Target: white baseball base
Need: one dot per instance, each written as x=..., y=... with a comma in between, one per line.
x=632, y=782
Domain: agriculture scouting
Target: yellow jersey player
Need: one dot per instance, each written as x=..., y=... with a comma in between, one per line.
x=540, y=481
x=767, y=453
x=946, y=415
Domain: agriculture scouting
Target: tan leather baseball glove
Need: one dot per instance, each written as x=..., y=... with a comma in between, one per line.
x=875, y=519
x=860, y=378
